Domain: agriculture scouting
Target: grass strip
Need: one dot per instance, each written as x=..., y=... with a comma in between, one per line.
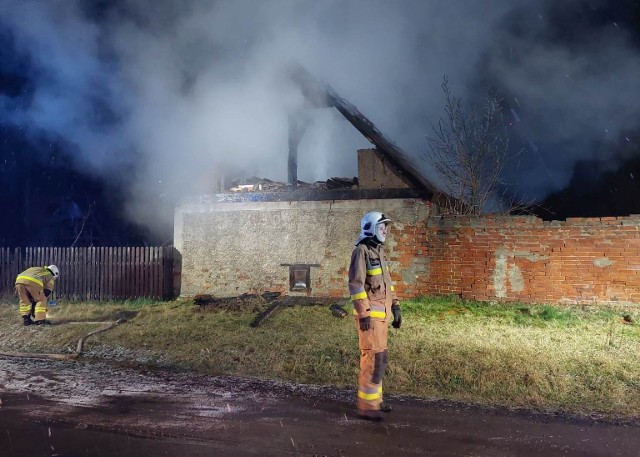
x=580, y=360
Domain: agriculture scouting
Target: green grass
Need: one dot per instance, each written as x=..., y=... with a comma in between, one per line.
x=583, y=360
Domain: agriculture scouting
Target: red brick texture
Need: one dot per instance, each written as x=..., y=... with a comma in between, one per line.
x=505, y=258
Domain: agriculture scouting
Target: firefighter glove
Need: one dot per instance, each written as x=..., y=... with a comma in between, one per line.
x=337, y=310
x=397, y=316
x=365, y=323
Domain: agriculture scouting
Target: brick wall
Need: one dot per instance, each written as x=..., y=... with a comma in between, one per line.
x=233, y=248
x=525, y=259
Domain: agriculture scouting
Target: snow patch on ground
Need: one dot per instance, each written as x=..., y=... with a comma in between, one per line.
x=74, y=384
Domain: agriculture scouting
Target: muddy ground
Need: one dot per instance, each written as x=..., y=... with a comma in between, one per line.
x=84, y=408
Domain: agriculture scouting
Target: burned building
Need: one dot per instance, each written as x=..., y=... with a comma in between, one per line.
x=297, y=238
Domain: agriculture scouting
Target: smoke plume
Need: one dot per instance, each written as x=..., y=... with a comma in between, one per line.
x=160, y=97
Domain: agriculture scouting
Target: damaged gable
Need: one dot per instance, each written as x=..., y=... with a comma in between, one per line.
x=375, y=172
x=386, y=166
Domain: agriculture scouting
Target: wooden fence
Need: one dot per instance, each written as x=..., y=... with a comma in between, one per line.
x=109, y=273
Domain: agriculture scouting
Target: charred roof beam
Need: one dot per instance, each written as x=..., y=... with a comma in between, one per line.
x=318, y=95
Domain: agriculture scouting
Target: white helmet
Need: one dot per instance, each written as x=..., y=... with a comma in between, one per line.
x=53, y=269
x=369, y=226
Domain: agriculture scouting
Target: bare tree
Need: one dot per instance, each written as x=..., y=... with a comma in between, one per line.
x=468, y=150
x=84, y=221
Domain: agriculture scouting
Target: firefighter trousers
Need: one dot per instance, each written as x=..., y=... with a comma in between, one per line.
x=373, y=363
x=32, y=296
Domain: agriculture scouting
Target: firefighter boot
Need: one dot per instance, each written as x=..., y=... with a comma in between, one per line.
x=386, y=407
x=373, y=415
x=42, y=322
x=26, y=320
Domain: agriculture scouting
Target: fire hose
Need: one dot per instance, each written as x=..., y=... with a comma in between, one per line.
x=79, y=346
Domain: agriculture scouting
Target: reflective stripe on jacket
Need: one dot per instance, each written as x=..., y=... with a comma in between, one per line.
x=36, y=275
x=370, y=284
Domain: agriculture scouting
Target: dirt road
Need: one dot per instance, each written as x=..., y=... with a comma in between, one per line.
x=53, y=408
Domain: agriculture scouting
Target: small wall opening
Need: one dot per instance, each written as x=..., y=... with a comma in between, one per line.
x=299, y=276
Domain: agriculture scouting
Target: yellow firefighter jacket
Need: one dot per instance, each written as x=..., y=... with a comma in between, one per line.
x=39, y=276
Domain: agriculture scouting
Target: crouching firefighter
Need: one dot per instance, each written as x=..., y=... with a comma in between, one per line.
x=33, y=286
x=374, y=303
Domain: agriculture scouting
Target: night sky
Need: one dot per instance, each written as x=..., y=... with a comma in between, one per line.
x=111, y=112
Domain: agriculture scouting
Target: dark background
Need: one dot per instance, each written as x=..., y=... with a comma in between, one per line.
x=47, y=200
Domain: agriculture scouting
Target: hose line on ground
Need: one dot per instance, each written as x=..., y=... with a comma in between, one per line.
x=79, y=346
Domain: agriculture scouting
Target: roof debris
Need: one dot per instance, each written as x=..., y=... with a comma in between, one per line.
x=266, y=185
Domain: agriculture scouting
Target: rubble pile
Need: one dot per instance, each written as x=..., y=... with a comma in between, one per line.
x=266, y=185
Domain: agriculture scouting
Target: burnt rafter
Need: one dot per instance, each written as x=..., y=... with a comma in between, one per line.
x=319, y=95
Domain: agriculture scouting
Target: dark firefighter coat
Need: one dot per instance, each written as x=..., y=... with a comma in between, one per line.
x=370, y=283
x=373, y=294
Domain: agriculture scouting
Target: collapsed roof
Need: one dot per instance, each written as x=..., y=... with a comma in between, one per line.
x=319, y=95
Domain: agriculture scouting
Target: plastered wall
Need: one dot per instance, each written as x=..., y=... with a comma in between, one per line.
x=233, y=248
x=376, y=173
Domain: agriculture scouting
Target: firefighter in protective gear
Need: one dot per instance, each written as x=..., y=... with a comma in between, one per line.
x=374, y=304
x=33, y=286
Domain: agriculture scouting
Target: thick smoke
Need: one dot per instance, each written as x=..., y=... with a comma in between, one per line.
x=163, y=96
x=571, y=80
